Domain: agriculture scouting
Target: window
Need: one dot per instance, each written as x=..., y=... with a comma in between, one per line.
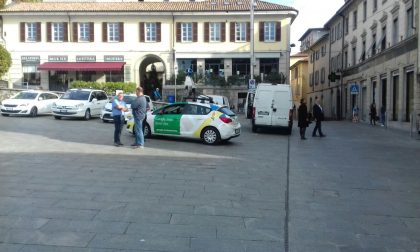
x=31, y=32
x=363, y=56
x=354, y=20
x=215, y=29
x=316, y=77
x=409, y=30
x=346, y=26
x=364, y=10
x=373, y=44
x=375, y=5
x=269, y=31
x=150, y=32
x=84, y=32
x=57, y=32
x=317, y=55
x=383, y=40
x=31, y=75
x=240, y=32
x=353, y=56
x=332, y=35
x=395, y=31
x=346, y=59
x=322, y=75
x=113, y=32
x=186, y=32
x=311, y=79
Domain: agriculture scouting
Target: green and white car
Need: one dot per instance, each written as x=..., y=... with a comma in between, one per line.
x=209, y=122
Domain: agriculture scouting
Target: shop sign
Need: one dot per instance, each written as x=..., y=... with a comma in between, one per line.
x=29, y=59
x=58, y=58
x=86, y=58
x=114, y=58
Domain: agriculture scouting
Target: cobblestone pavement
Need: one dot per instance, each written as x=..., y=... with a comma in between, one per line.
x=64, y=187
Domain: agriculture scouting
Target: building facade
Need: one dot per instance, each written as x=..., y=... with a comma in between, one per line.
x=298, y=77
x=55, y=43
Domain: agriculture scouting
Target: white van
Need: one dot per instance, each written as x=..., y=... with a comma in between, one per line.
x=272, y=107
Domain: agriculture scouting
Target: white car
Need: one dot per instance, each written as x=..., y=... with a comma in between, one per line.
x=209, y=122
x=30, y=102
x=216, y=99
x=81, y=103
x=106, y=114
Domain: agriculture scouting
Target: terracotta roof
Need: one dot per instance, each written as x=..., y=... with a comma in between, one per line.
x=209, y=5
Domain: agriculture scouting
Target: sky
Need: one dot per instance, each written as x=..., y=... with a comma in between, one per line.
x=312, y=14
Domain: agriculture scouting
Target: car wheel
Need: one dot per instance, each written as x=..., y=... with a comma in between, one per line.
x=147, y=132
x=88, y=116
x=254, y=127
x=57, y=117
x=5, y=114
x=34, y=112
x=210, y=135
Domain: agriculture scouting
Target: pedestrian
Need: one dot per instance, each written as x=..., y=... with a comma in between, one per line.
x=355, y=113
x=156, y=95
x=319, y=116
x=303, y=120
x=139, y=108
x=372, y=113
x=118, y=107
x=383, y=110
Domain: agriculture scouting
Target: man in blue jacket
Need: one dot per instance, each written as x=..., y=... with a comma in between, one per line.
x=319, y=116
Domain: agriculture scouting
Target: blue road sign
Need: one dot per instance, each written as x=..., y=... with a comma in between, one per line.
x=354, y=88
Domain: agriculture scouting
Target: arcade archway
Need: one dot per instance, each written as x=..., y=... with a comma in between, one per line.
x=151, y=74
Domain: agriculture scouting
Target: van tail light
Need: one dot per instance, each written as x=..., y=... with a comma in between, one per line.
x=253, y=112
x=225, y=119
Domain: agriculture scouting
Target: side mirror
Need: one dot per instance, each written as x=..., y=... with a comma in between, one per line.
x=94, y=100
x=40, y=98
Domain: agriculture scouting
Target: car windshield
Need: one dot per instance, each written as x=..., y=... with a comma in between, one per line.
x=76, y=95
x=26, y=96
x=226, y=111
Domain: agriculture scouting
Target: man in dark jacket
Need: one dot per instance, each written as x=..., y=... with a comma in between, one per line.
x=319, y=116
x=302, y=118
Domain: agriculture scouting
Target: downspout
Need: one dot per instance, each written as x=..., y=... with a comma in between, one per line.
x=173, y=34
x=313, y=70
x=340, y=117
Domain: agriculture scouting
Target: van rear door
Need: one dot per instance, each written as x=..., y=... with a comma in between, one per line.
x=280, y=109
x=263, y=109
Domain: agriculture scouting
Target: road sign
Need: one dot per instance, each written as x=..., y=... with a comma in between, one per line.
x=354, y=89
x=251, y=84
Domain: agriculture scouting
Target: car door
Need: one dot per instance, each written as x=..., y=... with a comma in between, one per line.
x=167, y=120
x=51, y=98
x=42, y=103
x=280, y=108
x=193, y=117
x=263, y=107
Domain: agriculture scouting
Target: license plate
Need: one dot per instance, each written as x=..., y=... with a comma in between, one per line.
x=237, y=131
x=63, y=110
x=9, y=109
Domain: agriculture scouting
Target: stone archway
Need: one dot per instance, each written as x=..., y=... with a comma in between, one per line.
x=151, y=73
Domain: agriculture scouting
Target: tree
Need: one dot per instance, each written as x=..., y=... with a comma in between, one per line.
x=5, y=61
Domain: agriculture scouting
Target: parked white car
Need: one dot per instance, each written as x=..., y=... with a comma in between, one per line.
x=82, y=103
x=106, y=114
x=30, y=102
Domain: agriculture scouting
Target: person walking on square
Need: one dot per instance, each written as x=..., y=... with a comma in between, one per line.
x=383, y=111
x=118, y=107
x=302, y=118
x=372, y=113
x=319, y=116
x=139, y=107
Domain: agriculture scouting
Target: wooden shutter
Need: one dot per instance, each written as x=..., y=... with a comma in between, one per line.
x=206, y=31
x=141, y=31
x=232, y=32
x=158, y=32
x=48, y=31
x=22, y=32
x=278, y=31
x=121, y=28
x=178, y=32
x=248, y=31
x=261, y=31
x=75, y=32
x=195, y=31
x=223, y=31
x=66, y=32
x=38, y=31
x=104, y=32
x=91, y=32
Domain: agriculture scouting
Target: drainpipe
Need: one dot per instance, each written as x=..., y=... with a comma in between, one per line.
x=342, y=67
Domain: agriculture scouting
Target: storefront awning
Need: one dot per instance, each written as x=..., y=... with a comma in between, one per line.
x=82, y=66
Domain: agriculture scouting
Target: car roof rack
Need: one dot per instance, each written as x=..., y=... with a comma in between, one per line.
x=201, y=98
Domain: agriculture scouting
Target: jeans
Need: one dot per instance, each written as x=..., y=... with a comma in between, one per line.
x=317, y=127
x=118, y=122
x=138, y=124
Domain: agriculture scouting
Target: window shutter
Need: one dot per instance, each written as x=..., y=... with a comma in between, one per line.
x=206, y=31
x=66, y=32
x=22, y=32
x=141, y=31
x=121, y=28
x=248, y=31
x=178, y=32
x=223, y=31
x=48, y=31
x=261, y=31
x=75, y=32
x=232, y=32
x=38, y=32
x=104, y=32
x=278, y=31
x=195, y=31
x=91, y=32
x=158, y=32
